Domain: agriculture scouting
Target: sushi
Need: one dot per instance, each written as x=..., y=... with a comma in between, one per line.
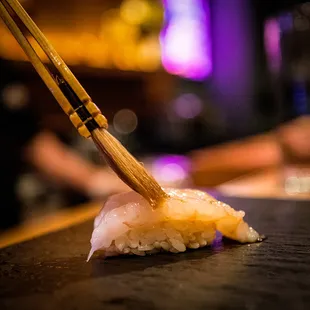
x=188, y=219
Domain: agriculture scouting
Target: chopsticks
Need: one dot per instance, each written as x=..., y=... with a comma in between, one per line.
x=49, y=50
x=77, y=104
x=64, y=81
x=34, y=58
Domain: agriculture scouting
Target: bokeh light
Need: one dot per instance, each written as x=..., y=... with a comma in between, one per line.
x=109, y=38
x=188, y=106
x=186, y=39
x=272, y=44
x=171, y=170
x=15, y=96
x=135, y=11
x=125, y=121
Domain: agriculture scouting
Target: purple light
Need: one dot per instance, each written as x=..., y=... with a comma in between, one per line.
x=171, y=169
x=286, y=22
x=188, y=106
x=272, y=44
x=185, y=40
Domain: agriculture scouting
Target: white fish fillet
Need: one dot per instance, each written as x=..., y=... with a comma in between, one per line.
x=188, y=219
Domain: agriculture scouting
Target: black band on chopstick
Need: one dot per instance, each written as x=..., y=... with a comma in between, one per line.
x=77, y=105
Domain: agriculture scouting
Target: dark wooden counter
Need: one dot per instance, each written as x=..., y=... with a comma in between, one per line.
x=50, y=272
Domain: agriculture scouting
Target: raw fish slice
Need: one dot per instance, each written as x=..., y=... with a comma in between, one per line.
x=127, y=224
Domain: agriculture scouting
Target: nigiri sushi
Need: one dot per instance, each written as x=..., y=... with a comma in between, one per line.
x=127, y=224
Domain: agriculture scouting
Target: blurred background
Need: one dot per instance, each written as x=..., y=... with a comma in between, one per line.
x=194, y=88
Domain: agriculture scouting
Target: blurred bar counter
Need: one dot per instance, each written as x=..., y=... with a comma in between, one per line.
x=265, y=184
x=35, y=227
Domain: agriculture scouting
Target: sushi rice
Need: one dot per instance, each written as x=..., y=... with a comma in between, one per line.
x=189, y=219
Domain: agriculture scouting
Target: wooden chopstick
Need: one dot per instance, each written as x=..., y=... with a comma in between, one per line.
x=35, y=59
x=49, y=50
x=83, y=113
x=66, y=97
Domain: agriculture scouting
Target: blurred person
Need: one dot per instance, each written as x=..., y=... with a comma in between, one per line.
x=294, y=137
x=215, y=165
x=24, y=142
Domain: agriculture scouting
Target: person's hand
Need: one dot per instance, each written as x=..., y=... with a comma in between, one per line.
x=294, y=137
x=61, y=164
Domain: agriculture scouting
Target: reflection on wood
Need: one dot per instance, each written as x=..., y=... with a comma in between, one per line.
x=49, y=223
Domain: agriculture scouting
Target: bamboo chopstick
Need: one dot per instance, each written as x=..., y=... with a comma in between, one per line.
x=83, y=113
x=34, y=58
x=49, y=50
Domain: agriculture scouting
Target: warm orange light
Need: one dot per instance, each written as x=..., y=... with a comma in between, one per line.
x=116, y=43
x=148, y=54
x=135, y=12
